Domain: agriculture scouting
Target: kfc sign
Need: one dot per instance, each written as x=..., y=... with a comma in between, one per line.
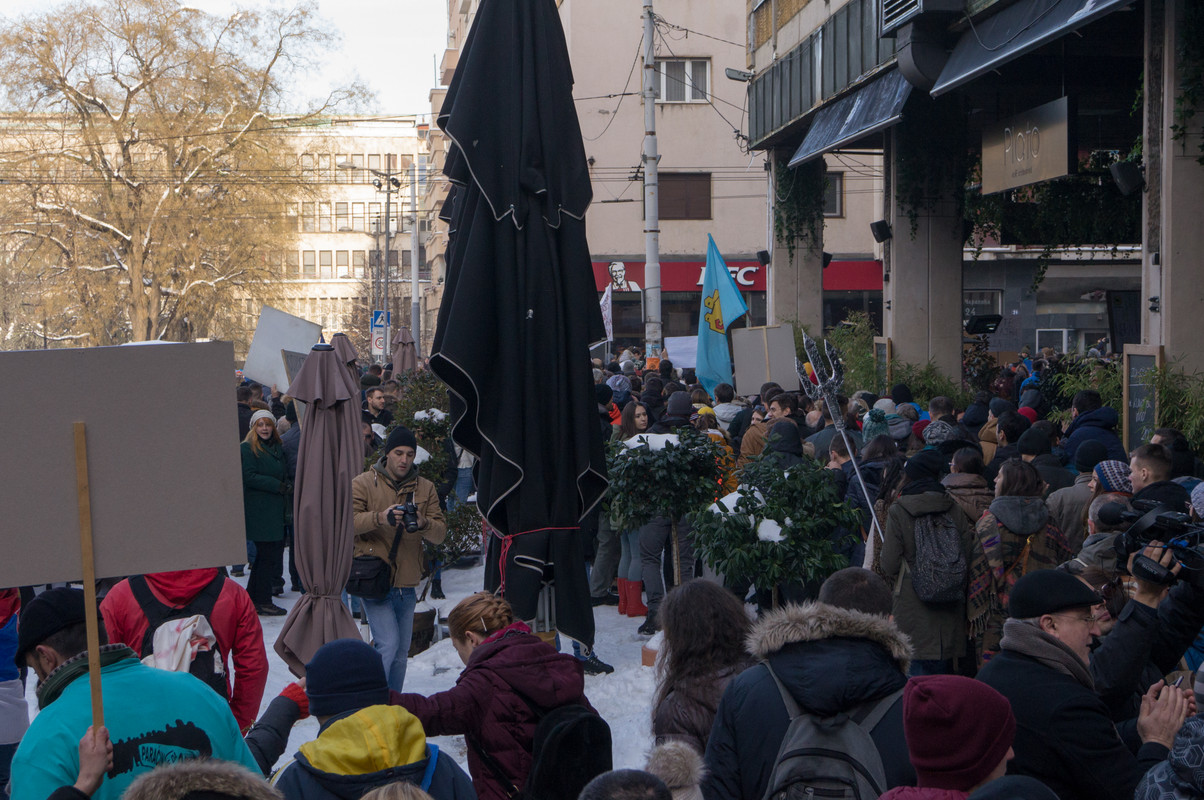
x=676, y=276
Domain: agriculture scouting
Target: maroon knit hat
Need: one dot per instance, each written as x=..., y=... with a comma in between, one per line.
x=957, y=730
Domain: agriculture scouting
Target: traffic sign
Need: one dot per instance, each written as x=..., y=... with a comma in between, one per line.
x=381, y=319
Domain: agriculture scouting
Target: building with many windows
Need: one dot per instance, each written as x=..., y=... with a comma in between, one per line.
x=360, y=217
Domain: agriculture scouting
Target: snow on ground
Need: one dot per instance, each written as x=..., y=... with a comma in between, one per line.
x=624, y=698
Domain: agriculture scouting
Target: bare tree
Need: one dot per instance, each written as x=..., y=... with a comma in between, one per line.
x=149, y=167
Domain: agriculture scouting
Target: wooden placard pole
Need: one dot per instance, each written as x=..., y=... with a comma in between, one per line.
x=91, y=618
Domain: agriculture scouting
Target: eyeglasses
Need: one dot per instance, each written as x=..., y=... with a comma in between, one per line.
x=1090, y=619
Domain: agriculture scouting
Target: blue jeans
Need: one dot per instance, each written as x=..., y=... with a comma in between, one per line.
x=462, y=489
x=391, y=621
x=629, y=558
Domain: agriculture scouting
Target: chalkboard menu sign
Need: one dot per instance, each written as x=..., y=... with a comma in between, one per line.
x=1141, y=408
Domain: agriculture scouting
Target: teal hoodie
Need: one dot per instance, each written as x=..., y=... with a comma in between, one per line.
x=154, y=717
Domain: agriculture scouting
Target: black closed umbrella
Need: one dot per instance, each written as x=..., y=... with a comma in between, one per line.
x=520, y=307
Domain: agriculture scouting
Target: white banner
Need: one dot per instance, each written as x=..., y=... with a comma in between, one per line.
x=608, y=317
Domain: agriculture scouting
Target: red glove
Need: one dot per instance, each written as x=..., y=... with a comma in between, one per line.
x=297, y=694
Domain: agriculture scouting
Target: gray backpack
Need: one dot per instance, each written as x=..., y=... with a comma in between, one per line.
x=831, y=757
x=939, y=575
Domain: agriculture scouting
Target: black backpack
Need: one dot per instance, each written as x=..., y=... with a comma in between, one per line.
x=567, y=735
x=941, y=571
x=208, y=665
x=833, y=757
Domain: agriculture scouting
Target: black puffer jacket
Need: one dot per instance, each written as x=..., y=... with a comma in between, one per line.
x=832, y=660
x=1064, y=737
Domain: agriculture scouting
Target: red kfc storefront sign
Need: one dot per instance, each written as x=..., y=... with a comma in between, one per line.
x=676, y=276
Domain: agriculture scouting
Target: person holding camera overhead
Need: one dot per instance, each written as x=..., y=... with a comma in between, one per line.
x=395, y=510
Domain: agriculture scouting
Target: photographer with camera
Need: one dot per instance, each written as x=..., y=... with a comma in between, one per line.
x=391, y=502
x=1064, y=736
x=1166, y=612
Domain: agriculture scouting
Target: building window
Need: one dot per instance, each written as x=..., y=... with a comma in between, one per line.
x=325, y=264
x=325, y=169
x=685, y=195
x=342, y=219
x=341, y=174
x=292, y=263
x=309, y=264
x=683, y=80
x=309, y=217
x=324, y=219
x=342, y=262
x=375, y=221
x=358, y=175
x=374, y=161
x=307, y=162
x=358, y=261
x=357, y=217
x=834, y=195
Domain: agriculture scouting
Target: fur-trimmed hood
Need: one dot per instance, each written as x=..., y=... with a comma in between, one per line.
x=680, y=766
x=812, y=622
x=223, y=778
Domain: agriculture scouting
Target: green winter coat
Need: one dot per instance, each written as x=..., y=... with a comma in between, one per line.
x=937, y=632
x=266, y=493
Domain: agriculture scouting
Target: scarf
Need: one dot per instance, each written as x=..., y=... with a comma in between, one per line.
x=49, y=690
x=1029, y=640
x=1003, y=559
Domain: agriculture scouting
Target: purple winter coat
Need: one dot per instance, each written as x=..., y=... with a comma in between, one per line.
x=484, y=707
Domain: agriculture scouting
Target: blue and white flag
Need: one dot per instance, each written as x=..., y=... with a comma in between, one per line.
x=721, y=306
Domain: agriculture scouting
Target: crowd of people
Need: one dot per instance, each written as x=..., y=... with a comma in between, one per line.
x=998, y=631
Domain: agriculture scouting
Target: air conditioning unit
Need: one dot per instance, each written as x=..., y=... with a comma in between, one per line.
x=897, y=13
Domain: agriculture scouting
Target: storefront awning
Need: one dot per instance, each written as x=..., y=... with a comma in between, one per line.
x=1017, y=30
x=871, y=108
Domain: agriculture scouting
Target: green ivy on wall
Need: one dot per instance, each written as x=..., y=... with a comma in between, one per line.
x=1189, y=102
x=1085, y=208
x=932, y=153
x=798, y=204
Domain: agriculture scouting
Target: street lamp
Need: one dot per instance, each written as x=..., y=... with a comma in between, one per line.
x=388, y=183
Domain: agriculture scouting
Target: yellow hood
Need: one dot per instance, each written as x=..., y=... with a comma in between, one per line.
x=370, y=740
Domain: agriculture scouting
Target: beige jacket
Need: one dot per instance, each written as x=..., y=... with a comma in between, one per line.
x=374, y=491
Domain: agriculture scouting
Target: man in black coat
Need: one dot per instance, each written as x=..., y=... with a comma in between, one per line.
x=1151, y=634
x=839, y=655
x=1064, y=736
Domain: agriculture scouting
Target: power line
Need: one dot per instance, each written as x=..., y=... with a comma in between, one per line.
x=622, y=96
x=741, y=139
x=688, y=31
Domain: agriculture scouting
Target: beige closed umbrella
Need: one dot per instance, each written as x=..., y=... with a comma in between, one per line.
x=405, y=354
x=330, y=455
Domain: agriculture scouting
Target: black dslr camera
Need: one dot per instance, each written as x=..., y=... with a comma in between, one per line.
x=405, y=514
x=1149, y=521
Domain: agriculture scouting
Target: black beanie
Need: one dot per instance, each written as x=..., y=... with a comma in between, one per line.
x=345, y=675
x=400, y=436
x=1033, y=443
x=679, y=405
x=1089, y=454
x=925, y=464
x=46, y=615
x=603, y=394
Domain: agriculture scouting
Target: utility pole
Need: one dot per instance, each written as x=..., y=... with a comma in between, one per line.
x=415, y=306
x=388, y=252
x=653, y=330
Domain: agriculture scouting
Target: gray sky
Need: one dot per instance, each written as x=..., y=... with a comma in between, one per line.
x=392, y=45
